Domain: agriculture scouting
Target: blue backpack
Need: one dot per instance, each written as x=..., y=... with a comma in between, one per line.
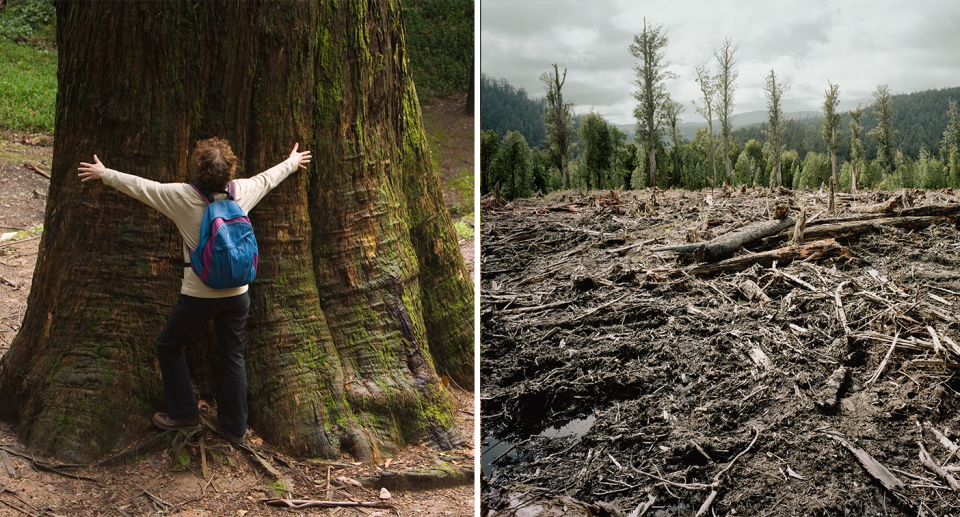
x=226, y=256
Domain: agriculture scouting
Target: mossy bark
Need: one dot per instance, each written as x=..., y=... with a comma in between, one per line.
x=361, y=295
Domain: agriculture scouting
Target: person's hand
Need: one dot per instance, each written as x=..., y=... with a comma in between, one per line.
x=302, y=158
x=92, y=171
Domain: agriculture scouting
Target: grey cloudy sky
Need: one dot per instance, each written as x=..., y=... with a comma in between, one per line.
x=858, y=44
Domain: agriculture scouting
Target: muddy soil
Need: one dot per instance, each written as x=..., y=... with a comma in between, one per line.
x=611, y=376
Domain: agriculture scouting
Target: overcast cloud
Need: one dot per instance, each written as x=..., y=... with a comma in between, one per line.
x=909, y=46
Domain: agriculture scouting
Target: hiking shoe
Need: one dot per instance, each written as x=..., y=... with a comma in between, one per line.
x=234, y=438
x=163, y=421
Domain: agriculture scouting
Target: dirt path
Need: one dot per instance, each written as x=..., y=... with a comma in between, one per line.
x=169, y=479
x=611, y=374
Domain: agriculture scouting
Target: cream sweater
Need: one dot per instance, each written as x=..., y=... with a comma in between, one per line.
x=180, y=202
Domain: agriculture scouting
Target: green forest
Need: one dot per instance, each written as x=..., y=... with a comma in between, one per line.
x=515, y=151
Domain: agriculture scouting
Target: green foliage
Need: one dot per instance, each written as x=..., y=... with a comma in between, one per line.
x=182, y=462
x=489, y=145
x=28, y=20
x=464, y=228
x=597, y=148
x=440, y=45
x=789, y=166
x=814, y=171
x=831, y=118
x=856, y=144
x=884, y=111
x=28, y=80
x=512, y=168
x=542, y=162
x=751, y=166
x=554, y=179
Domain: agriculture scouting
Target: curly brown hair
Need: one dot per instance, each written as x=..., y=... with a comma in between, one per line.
x=213, y=164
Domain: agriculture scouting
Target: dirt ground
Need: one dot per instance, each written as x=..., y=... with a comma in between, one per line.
x=164, y=478
x=617, y=380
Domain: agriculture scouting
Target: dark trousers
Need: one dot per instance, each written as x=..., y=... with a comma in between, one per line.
x=189, y=317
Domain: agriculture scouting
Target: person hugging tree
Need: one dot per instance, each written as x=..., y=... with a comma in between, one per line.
x=202, y=298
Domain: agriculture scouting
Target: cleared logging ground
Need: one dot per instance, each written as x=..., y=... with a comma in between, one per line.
x=789, y=384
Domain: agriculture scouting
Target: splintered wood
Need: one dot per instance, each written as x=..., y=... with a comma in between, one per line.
x=675, y=326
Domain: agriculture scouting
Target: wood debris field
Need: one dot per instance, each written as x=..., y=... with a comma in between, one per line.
x=721, y=352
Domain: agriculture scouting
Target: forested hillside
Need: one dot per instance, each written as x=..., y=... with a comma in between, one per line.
x=504, y=108
x=919, y=120
x=924, y=151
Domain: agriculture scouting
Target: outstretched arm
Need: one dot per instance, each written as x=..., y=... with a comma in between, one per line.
x=95, y=170
x=302, y=158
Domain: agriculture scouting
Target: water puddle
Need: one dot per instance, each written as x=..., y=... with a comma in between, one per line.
x=492, y=449
x=575, y=428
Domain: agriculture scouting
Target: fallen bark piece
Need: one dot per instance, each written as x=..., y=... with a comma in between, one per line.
x=725, y=245
x=753, y=292
x=821, y=249
x=6, y=461
x=874, y=468
x=760, y=358
x=829, y=395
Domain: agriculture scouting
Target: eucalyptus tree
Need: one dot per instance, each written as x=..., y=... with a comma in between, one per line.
x=558, y=118
x=726, y=85
x=671, y=115
x=651, y=94
x=708, y=87
x=776, y=123
x=361, y=296
x=831, y=121
x=884, y=112
x=856, y=146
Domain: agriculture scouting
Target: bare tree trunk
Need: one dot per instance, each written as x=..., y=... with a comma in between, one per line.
x=361, y=291
x=653, y=165
x=713, y=157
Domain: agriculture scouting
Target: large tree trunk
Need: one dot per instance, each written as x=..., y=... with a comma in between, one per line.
x=361, y=295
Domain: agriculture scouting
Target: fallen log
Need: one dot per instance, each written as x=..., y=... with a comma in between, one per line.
x=853, y=228
x=887, y=206
x=727, y=244
x=827, y=248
